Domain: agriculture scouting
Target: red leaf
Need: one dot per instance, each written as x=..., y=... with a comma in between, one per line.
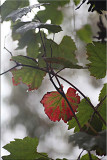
x=57, y=108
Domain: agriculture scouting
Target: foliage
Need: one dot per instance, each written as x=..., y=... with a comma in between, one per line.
x=86, y=157
x=85, y=34
x=46, y=57
x=8, y=6
x=56, y=107
x=97, y=56
x=33, y=25
x=102, y=107
x=89, y=142
x=24, y=149
x=83, y=115
x=22, y=11
x=98, y=6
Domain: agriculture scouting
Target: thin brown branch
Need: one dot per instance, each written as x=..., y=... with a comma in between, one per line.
x=9, y=70
x=17, y=65
x=98, y=105
x=44, y=48
x=8, y=51
x=80, y=155
x=64, y=96
x=85, y=99
x=90, y=157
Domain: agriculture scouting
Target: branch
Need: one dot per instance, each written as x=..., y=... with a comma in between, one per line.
x=9, y=69
x=17, y=65
x=44, y=55
x=101, y=102
x=8, y=51
x=90, y=157
x=85, y=98
x=98, y=105
x=80, y=155
x=64, y=96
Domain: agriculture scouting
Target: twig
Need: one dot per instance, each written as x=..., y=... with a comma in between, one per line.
x=8, y=51
x=85, y=98
x=64, y=96
x=52, y=72
x=80, y=4
x=9, y=69
x=17, y=65
x=98, y=105
x=80, y=155
x=59, y=71
x=90, y=157
x=44, y=55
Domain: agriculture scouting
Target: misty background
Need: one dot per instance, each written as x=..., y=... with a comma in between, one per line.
x=22, y=114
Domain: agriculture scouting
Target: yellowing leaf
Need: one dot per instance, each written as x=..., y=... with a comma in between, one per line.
x=29, y=76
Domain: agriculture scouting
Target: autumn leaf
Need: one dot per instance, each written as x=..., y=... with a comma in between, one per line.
x=56, y=106
x=29, y=76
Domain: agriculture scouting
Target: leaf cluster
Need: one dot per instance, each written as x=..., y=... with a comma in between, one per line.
x=45, y=56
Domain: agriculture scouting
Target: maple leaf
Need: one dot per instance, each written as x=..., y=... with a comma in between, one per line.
x=56, y=106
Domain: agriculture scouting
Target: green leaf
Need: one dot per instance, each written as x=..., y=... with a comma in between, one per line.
x=97, y=56
x=65, y=63
x=89, y=142
x=76, y=2
x=96, y=124
x=29, y=76
x=15, y=26
x=25, y=60
x=8, y=6
x=24, y=149
x=84, y=113
x=52, y=12
x=86, y=157
x=66, y=49
x=33, y=25
x=102, y=108
x=30, y=39
x=20, y=12
x=85, y=34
